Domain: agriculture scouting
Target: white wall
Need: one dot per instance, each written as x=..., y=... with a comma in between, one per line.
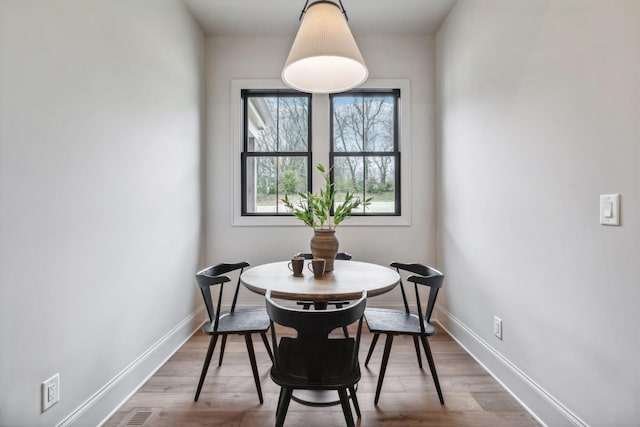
x=389, y=57
x=539, y=106
x=100, y=131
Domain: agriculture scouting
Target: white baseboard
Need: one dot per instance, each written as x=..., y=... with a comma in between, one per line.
x=97, y=409
x=547, y=410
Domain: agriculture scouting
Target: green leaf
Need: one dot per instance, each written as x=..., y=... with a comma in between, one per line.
x=314, y=209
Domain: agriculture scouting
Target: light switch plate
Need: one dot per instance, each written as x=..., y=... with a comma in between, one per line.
x=610, y=209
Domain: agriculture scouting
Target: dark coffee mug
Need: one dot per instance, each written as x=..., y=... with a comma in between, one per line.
x=296, y=265
x=316, y=266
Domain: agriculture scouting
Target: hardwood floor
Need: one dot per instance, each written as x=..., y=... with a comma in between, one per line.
x=408, y=398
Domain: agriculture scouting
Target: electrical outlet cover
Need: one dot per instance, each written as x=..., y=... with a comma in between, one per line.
x=497, y=327
x=50, y=392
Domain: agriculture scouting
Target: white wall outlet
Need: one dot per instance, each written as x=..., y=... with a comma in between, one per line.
x=50, y=392
x=497, y=327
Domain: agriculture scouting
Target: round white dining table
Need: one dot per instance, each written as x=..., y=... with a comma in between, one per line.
x=345, y=282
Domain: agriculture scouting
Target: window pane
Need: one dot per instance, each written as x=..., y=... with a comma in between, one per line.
x=277, y=123
x=270, y=178
x=262, y=117
x=292, y=179
x=380, y=182
x=363, y=123
x=378, y=123
x=348, y=175
x=348, y=122
x=261, y=184
x=293, y=124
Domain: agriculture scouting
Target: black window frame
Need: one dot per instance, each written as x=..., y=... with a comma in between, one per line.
x=246, y=154
x=396, y=93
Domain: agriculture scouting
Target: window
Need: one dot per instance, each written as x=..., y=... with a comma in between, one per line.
x=276, y=157
x=364, y=148
x=279, y=135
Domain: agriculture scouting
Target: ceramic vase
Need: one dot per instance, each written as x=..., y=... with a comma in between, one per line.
x=324, y=244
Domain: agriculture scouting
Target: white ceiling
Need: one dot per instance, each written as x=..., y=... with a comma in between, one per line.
x=280, y=17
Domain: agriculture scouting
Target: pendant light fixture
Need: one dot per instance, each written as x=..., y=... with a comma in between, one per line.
x=324, y=57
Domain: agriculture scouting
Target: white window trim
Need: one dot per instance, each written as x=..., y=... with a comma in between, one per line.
x=320, y=152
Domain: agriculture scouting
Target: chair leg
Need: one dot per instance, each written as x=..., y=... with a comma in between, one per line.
x=254, y=366
x=417, y=346
x=346, y=408
x=345, y=331
x=354, y=398
x=283, y=406
x=205, y=366
x=371, y=347
x=432, y=366
x=223, y=344
x=383, y=368
x=279, y=400
x=266, y=345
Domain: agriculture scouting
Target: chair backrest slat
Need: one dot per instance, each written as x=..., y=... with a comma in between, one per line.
x=240, y=266
x=434, y=279
x=399, y=266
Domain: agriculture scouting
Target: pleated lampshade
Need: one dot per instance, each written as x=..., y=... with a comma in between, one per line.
x=324, y=57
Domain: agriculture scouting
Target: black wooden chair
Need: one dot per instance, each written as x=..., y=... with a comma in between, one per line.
x=312, y=360
x=234, y=322
x=404, y=322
